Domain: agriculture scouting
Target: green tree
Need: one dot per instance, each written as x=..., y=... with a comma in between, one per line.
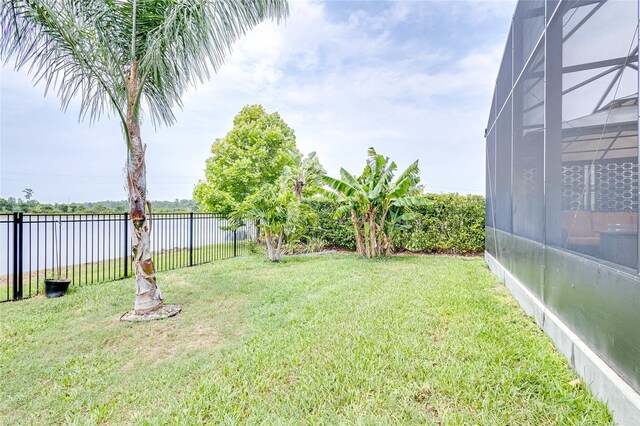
x=278, y=206
x=376, y=203
x=6, y=205
x=304, y=177
x=272, y=206
x=123, y=57
x=28, y=194
x=251, y=156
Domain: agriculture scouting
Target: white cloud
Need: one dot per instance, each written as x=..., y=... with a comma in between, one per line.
x=344, y=79
x=370, y=91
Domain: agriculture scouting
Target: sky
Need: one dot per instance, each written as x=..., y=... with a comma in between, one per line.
x=413, y=79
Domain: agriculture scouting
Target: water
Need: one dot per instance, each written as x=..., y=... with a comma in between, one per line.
x=87, y=239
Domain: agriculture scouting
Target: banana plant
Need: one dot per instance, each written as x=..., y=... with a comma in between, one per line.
x=377, y=203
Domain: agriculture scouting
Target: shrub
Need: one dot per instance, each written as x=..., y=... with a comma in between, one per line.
x=337, y=233
x=452, y=224
x=311, y=245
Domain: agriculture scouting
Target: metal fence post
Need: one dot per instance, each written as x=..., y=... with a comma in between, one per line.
x=190, y=238
x=235, y=242
x=17, y=255
x=126, y=245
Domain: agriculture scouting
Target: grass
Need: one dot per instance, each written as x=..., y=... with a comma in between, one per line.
x=324, y=339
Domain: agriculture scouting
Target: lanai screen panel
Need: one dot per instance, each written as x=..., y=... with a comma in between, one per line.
x=491, y=178
x=502, y=207
x=528, y=150
x=563, y=147
x=490, y=164
x=529, y=23
x=592, y=175
x=502, y=131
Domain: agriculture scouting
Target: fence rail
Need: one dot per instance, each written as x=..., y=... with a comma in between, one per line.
x=92, y=248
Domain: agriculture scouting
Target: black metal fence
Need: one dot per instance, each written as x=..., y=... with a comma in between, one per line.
x=92, y=248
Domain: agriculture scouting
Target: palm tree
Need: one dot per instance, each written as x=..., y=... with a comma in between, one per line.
x=270, y=207
x=123, y=57
x=306, y=171
x=376, y=202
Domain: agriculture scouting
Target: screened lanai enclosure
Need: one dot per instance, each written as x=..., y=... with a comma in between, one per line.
x=562, y=169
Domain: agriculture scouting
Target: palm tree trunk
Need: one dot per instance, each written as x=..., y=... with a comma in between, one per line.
x=387, y=244
x=269, y=242
x=279, y=249
x=366, y=232
x=356, y=230
x=148, y=295
x=374, y=234
x=384, y=238
x=298, y=190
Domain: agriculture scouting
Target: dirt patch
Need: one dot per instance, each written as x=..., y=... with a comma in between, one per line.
x=446, y=253
x=317, y=253
x=196, y=328
x=424, y=397
x=439, y=333
x=165, y=311
x=465, y=256
x=163, y=341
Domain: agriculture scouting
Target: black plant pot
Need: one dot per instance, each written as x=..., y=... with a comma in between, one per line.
x=56, y=287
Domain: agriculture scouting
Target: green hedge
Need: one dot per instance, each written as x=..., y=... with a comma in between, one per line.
x=337, y=233
x=452, y=223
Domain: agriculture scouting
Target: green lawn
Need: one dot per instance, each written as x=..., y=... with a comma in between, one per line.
x=320, y=339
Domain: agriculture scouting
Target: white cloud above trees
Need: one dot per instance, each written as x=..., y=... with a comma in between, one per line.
x=413, y=79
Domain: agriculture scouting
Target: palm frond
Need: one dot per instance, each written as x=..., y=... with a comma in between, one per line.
x=341, y=187
x=383, y=180
x=351, y=181
x=408, y=216
x=331, y=196
x=400, y=189
x=190, y=35
x=411, y=173
x=412, y=202
x=342, y=211
x=63, y=44
x=83, y=48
